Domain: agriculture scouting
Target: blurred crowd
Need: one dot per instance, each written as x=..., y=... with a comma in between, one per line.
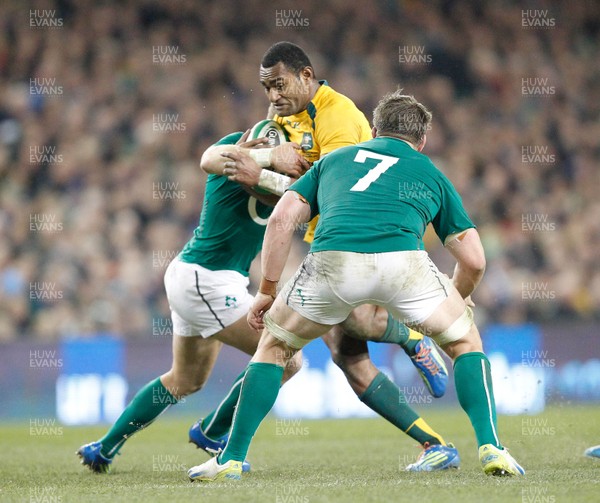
x=106, y=108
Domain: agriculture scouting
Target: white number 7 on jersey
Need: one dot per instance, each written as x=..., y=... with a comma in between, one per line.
x=385, y=163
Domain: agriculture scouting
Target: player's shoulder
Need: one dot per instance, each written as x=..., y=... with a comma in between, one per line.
x=328, y=100
x=426, y=165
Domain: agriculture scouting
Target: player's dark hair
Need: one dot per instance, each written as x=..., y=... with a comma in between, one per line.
x=402, y=116
x=291, y=55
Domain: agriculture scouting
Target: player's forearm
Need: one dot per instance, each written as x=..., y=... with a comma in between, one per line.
x=466, y=279
x=213, y=162
x=275, y=252
x=466, y=247
x=291, y=210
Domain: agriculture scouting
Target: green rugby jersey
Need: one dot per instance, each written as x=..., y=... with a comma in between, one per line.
x=379, y=196
x=232, y=225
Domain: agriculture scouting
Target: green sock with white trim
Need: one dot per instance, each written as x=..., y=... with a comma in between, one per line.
x=473, y=381
x=260, y=388
x=218, y=422
x=149, y=403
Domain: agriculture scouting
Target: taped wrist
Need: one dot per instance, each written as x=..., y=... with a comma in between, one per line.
x=262, y=156
x=268, y=287
x=275, y=183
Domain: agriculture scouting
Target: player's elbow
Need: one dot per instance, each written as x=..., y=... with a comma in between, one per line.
x=207, y=161
x=204, y=164
x=282, y=218
x=469, y=253
x=473, y=262
x=289, y=212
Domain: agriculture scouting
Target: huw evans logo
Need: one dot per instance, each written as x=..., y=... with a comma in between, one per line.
x=537, y=87
x=44, y=290
x=537, y=291
x=414, y=190
x=290, y=19
x=167, y=463
x=413, y=54
x=536, y=427
x=44, y=154
x=44, y=426
x=167, y=123
x=167, y=55
x=162, y=258
x=44, y=495
x=44, y=358
x=44, y=19
x=167, y=190
x=44, y=86
x=44, y=222
x=292, y=427
x=536, y=222
x=414, y=395
x=291, y=494
x=537, y=359
x=537, y=18
x=537, y=495
x=162, y=327
x=537, y=154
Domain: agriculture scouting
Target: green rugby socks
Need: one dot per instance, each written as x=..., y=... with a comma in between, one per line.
x=149, y=403
x=473, y=381
x=260, y=388
x=216, y=425
x=385, y=398
x=399, y=333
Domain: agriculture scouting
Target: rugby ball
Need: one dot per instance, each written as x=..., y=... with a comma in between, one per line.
x=271, y=130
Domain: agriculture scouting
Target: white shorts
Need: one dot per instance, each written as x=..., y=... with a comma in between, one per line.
x=330, y=284
x=204, y=302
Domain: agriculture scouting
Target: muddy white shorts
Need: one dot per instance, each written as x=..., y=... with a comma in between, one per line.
x=330, y=284
x=204, y=302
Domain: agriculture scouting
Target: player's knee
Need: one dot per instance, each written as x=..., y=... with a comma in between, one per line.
x=180, y=386
x=344, y=362
x=293, y=367
x=186, y=388
x=337, y=357
x=470, y=343
x=191, y=386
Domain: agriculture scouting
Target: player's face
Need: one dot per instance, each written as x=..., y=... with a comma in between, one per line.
x=288, y=93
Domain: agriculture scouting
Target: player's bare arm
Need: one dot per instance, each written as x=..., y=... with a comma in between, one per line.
x=242, y=168
x=291, y=210
x=468, y=251
x=285, y=158
x=211, y=161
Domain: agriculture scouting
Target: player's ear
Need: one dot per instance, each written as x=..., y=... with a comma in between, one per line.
x=307, y=73
x=421, y=145
x=374, y=132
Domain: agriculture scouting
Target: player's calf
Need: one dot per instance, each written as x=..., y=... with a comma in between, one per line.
x=473, y=380
x=369, y=322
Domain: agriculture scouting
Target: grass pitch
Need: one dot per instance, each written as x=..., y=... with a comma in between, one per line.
x=311, y=461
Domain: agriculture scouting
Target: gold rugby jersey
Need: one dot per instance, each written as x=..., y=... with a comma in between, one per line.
x=330, y=121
